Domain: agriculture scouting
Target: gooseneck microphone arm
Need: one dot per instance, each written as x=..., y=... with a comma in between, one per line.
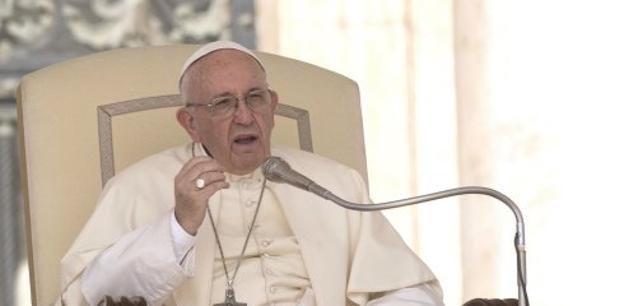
x=277, y=170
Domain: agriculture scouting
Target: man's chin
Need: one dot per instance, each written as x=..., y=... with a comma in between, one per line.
x=242, y=165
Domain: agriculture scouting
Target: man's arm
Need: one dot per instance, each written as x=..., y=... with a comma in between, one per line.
x=142, y=263
x=113, y=257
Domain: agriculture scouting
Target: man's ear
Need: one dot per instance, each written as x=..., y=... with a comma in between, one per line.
x=274, y=100
x=187, y=121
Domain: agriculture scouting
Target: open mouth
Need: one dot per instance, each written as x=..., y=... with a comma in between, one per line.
x=245, y=139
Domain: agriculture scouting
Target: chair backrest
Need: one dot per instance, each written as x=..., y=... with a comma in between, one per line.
x=82, y=120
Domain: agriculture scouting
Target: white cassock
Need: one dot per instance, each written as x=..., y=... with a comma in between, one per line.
x=304, y=250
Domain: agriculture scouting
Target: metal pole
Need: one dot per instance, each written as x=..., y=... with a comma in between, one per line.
x=277, y=170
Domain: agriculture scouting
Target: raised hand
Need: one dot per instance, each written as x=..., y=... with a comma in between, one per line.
x=196, y=182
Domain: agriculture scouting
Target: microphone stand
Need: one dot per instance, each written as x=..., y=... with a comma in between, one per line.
x=277, y=170
x=519, y=240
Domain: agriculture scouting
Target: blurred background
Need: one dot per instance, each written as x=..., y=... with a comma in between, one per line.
x=522, y=96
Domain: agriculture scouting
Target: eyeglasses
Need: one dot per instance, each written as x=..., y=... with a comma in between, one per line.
x=257, y=100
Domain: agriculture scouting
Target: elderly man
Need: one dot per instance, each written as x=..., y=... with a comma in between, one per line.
x=199, y=225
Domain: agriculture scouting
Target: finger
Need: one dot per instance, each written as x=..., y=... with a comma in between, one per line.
x=209, y=178
x=192, y=162
x=198, y=169
x=201, y=196
x=186, y=182
x=195, y=167
x=208, y=191
x=206, y=179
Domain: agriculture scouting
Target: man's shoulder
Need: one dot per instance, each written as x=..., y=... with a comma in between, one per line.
x=342, y=180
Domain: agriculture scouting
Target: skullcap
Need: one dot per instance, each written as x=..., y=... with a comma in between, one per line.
x=212, y=47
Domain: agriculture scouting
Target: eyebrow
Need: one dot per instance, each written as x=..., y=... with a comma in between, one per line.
x=230, y=94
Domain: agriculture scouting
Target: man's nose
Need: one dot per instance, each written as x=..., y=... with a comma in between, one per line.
x=243, y=114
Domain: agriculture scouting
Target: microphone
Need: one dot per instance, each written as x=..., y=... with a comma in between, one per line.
x=278, y=170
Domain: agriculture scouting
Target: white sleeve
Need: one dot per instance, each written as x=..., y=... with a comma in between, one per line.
x=141, y=263
x=427, y=294
x=183, y=242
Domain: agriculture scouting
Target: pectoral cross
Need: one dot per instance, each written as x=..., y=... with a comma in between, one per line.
x=230, y=299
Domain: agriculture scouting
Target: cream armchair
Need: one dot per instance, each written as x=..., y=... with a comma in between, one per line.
x=83, y=120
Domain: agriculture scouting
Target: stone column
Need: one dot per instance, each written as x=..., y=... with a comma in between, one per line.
x=11, y=217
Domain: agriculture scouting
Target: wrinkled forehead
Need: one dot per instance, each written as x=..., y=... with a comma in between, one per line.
x=211, y=48
x=222, y=72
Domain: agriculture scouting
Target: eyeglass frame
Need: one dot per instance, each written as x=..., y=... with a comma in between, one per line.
x=210, y=106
